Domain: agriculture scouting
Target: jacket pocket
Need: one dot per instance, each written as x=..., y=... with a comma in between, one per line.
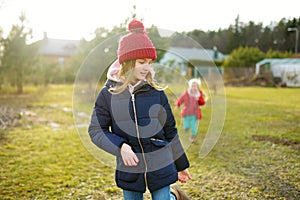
x=127, y=177
x=158, y=142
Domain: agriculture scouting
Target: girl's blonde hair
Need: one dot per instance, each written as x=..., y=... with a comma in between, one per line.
x=194, y=80
x=126, y=75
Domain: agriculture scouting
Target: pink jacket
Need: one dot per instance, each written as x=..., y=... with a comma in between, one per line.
x=191, y=106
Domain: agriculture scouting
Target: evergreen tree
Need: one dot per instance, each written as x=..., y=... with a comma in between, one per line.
x=18, y=56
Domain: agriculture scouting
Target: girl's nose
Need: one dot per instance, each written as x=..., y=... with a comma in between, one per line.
x=147, y=67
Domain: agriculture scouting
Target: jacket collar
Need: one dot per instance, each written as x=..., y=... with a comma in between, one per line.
x=143, y=86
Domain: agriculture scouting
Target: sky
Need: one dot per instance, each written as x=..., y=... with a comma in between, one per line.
x=76, y=19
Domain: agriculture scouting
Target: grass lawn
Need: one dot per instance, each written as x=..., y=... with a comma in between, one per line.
x=256, y=157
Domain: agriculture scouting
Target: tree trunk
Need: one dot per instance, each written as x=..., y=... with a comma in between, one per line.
x=20, y=82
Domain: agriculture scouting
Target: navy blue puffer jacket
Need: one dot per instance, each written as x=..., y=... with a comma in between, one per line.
x=143, y=120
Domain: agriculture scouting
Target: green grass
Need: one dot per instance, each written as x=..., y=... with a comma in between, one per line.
x=256, y=157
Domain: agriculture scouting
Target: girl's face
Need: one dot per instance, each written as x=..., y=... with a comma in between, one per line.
x=194, y=88
x=142, y=68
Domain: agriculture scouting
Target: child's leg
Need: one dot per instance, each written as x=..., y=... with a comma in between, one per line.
x=131, y=195
x=194, y=127
x=162, y=193
x=186, y=123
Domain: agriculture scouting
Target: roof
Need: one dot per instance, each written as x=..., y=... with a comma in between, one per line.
x=174, y=53
x=276, y=61
x=58, y=47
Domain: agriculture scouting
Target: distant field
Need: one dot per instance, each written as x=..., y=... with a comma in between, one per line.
x=256, y=157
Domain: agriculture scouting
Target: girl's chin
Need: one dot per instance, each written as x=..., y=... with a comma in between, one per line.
x=138, y=79
x=142, y=78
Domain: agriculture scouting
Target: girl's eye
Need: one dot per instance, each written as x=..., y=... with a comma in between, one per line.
x=142, y=62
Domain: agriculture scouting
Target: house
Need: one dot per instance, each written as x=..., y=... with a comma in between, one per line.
x=285, y=71
x=193, y=62
x=58, y=51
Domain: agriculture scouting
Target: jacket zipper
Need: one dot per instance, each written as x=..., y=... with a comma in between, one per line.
x=139, y=139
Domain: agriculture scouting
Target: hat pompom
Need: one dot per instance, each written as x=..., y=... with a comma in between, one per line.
x=136, y=44
x=136, y=26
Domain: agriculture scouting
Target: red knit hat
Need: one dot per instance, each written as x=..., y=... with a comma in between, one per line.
x=136, y=44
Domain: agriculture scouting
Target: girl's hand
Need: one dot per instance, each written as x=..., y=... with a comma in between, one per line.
x=184, y=175
x=128, y=156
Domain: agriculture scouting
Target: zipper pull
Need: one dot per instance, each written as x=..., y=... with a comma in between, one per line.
x=132, y=97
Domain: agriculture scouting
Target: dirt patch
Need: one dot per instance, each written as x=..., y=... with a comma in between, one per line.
x=291, y=143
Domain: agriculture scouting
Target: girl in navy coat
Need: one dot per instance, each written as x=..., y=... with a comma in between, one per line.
x=132, y=119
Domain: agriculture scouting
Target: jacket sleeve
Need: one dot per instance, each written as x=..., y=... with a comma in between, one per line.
x=171, y=134
x=180, y=100
x=201, y=100
x=99, y=128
